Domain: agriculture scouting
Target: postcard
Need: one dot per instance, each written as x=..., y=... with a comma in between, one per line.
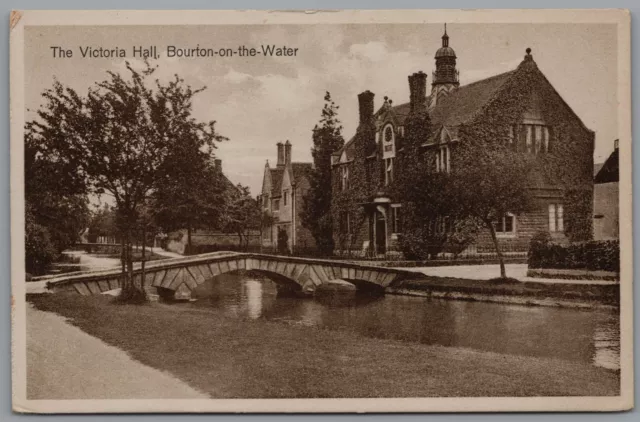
x=321, y=211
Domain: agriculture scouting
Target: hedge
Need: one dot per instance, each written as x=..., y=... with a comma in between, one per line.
x=592, y=255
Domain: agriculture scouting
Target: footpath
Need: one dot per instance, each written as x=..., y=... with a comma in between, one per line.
x=487, y=272
x=64, y=362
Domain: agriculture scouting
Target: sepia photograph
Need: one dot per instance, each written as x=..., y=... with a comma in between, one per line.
x=409, y=211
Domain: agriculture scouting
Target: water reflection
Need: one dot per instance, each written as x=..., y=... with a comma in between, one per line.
x=576, y=335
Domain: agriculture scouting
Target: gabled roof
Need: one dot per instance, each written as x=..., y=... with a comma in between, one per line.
x=348, y=147
x=297, y=171
x=228, y=184
x=300, y=171
x=462, y=105
x=276, y=180
x=610, y=171
x=459, y=107
x=596, y=168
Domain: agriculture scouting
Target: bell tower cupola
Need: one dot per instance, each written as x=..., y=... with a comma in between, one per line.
x=446, y=77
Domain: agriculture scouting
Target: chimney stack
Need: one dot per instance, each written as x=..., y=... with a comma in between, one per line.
x=280, y=154
x=218, y=164
x=365, y=102
x=417, y=90
x=287, y=153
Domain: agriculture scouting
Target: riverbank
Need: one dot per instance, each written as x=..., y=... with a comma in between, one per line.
x=565, y=294
x=226, y=357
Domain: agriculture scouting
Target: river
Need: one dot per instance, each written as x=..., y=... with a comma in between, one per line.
x=586, y=336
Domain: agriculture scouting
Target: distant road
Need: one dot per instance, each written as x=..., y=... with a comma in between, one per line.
x=64, y=362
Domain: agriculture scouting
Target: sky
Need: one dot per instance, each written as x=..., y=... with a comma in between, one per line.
x=259, y=101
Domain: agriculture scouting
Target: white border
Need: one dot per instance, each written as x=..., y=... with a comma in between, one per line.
x=194, y=17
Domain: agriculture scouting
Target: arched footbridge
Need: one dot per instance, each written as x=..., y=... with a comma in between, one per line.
x=182, y=275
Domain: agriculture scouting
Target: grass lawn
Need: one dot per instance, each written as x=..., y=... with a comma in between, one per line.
x=229, y=358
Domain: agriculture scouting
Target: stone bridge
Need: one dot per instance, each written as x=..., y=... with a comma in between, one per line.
x=179, y=276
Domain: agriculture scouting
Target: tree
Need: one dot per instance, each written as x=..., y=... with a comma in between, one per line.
x=56, y=209
x=489, y=180
x=102, y=223
x=117, y=137
x=316, y=210
x=242, y=214
x=191, y=193
x=428, y=208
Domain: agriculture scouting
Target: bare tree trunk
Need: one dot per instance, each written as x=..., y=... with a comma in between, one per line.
x=123, y=257
x=189, y=239
x=492, y=229
x=129, y=260
x=240, y=242
x=144, y=249
x=261, y=236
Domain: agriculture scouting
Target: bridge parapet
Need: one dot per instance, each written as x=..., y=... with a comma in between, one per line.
x=182, y=275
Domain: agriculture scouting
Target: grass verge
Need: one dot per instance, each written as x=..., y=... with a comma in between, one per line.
x=608, y=294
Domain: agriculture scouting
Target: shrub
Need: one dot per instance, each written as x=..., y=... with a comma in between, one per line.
x=421, y=244
x=592, y=255
x=463, y=234
x=40, y=250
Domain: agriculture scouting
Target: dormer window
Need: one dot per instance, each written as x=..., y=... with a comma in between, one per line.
x=443, y=159
x=344, y=177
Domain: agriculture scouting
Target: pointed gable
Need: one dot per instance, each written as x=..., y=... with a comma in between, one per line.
x=266, y=180
x=276, y=181
x=610, y=170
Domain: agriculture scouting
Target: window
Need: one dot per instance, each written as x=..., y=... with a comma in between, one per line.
x=388, y=134
x=443, y=159
x=276, y=204
x=530, y=138
x=556, y=218
x=265, y=201
x=388, y=173
x=396, y=219
x=345, y=223
x=506, y=224
x=344, y=170
x=285, y=197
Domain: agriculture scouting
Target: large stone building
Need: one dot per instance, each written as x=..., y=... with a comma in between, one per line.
x=520, y=106
x=283, y=190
